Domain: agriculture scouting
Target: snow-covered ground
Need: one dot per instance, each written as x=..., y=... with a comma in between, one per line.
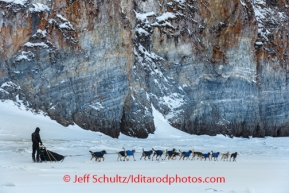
x=262, y=164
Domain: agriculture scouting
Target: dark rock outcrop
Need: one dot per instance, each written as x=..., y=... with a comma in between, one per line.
x=209, y=67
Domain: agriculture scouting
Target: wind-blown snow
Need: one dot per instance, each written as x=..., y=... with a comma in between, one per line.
x=244, y=4
x=164, y=129
x=38, y=7
x=66, y=25
x=265, y=14
x=24, y=56
x=20, y=2
x=96, y=106
x=2, y=90
x=61, y=17
x=165, y=16
x=43, y=33
x=143, y=16
x=142, y=31
x=10, y=84
x=41, y=44
x=259, y=43
x=19, y=122
x=261, y=167
x=180, y=1
x=21, y=57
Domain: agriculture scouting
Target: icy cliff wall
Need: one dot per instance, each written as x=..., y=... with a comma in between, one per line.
x=209, y=67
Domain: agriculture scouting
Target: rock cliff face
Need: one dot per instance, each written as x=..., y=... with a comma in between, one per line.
x=209, y=67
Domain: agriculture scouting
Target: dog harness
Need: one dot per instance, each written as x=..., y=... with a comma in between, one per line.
x=159, y=152
x=215, y=154
x=171, y=153
x=98, y=154
x=187, y=154
x=121, y=153
x=148, y=153
x=206, y=155
x=128, y=152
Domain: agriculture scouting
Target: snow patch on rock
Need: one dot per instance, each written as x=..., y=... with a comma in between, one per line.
x=38, y=7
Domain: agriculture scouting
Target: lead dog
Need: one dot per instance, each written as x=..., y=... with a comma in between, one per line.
x=234, y=156
x=97, y=155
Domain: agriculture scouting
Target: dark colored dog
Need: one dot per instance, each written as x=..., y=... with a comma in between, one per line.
x=146, y=154
x=121, y=154
x=97, y=155
x=158, y=153
x=215, y=155
x=170, y=154
x=206, y=155
x=175, y=154
x=124, y=154
x=234, y=156
x=185, y=154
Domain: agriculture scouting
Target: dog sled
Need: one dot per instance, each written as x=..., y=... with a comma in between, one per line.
x=49, y=156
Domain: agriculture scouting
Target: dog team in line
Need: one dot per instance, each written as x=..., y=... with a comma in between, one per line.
x=173, y=154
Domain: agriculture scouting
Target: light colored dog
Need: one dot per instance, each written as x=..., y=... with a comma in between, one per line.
x=198, y=155
x=225, y=156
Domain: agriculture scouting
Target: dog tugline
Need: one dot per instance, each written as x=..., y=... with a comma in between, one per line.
x=35, y=137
